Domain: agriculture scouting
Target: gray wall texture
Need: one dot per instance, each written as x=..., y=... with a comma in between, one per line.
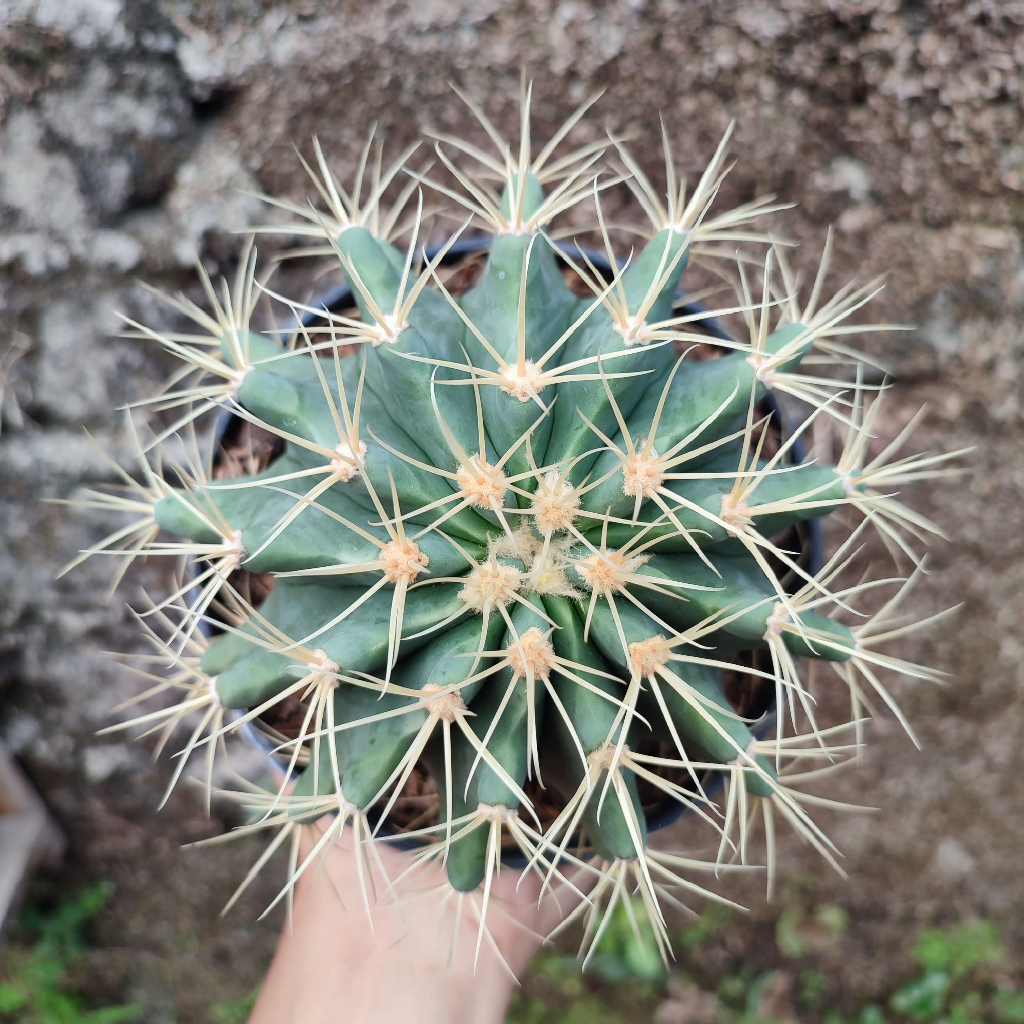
x=127, y=129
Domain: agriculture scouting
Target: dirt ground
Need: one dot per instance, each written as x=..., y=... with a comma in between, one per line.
x=129, y=135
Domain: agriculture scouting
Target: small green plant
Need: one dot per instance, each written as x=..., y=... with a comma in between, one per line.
x=1009, y=1006
x=625, y=961
x=33, y=970
x=812, y=987
x=516, y=535
x=797, y=931
x=629, y=948
x=960, y=949
x=951, y=959
x=958, y=982
x=712, y=918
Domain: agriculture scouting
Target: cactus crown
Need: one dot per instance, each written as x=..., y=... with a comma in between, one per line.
x=519, y=538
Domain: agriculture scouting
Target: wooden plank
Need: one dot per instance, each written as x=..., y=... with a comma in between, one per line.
x=29, y=837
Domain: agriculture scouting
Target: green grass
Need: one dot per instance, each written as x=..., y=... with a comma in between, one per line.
x=958, y=982
x=625, y=977
x=961, y=977
x=45, y=944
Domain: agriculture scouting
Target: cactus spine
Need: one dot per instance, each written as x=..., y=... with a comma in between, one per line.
x=517, y=535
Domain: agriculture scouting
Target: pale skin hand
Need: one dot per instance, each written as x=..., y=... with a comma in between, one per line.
x=331, y=968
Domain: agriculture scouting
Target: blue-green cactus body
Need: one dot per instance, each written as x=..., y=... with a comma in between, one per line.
x=516, y=535
x=414, y=422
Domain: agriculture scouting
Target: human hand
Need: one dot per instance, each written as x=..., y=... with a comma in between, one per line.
x=424, y=957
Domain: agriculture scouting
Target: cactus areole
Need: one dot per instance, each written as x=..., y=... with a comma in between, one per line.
x=526, y=547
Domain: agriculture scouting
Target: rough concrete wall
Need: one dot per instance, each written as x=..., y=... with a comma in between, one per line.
x=126, y=129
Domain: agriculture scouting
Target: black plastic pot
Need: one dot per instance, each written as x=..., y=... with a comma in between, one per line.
x=341, y=297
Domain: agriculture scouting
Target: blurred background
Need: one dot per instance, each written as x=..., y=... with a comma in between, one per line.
x=132, y=131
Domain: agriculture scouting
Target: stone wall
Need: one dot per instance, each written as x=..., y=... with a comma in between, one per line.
x=129, y=135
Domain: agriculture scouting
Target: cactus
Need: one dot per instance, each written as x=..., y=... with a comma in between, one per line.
x=517, y=536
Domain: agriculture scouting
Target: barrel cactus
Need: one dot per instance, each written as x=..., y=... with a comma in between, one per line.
x=519, y=534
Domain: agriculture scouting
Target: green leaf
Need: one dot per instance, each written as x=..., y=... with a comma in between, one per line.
x=924, y=998
x=832, y=919
x=1009, y=1006
x=112, y=1014
x=871, y=1014
x=959, y=949
x=812, y=987
x=787, y=933
x=37, y=995
x=932, y=950
x=622, y=953
x=12, y=997
x=713, y=915
x=966, y=1010
x=59, y=928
